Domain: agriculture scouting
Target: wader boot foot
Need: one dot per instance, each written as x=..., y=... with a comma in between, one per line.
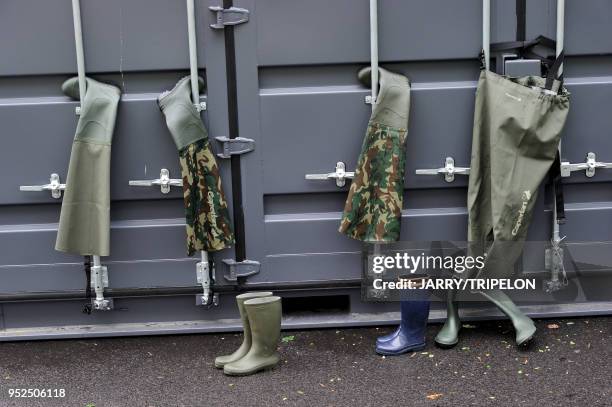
x=411, y=332
x=523, y=325
x=221, y=361
x=448, y=336
x=264, y=316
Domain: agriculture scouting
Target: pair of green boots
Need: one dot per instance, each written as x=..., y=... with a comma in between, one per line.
x=260, y=313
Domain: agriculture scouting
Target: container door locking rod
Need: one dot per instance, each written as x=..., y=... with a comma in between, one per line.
x=99, y=273
x=203, y=266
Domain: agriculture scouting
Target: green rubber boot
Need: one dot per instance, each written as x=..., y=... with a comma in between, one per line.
x=265, y=320
x=449, y=334
x=523, y=325
x=84, y=225
x=221, y=361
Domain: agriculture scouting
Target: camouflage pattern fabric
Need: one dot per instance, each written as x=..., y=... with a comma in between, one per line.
x=374, y=205
x=206, y=213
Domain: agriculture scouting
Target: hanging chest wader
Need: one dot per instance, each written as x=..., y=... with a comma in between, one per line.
x=517, y=130
x=373, y=209
x=206, y=214
x=84, y=226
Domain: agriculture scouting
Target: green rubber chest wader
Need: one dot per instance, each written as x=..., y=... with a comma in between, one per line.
x=373, y=208
x=84, y=226
x=517, y=129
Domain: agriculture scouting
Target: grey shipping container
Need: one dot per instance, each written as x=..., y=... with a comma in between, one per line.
x=285, y=79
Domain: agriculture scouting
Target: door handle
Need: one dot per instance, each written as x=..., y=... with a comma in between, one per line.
x=340, y=175
x=164, y=181
x=589, y=166
x=449, y=170
x=54, y=185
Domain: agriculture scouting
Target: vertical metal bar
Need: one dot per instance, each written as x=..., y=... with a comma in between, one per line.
x=486, y=32
x=560, y=28
x=374, y=66
x=193, y=68
x=80, y=56
x=560, y=41
x=193, y=53
x=374, y=48
x=78, y=42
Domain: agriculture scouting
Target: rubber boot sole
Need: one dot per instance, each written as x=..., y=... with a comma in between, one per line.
x=401, y=351
x=446, y=345
x=260, y=369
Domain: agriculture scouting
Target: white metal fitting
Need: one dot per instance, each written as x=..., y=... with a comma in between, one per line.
x=54, y=185
x=449, y=170
x=164, y=181
x=588, y=166
x=340, y=175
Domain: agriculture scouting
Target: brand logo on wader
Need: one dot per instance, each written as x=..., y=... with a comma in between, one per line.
x=518, y=99
x=519, y=221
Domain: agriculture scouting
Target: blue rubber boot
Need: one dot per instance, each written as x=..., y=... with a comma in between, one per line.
x=386, y=338
x=410, y=335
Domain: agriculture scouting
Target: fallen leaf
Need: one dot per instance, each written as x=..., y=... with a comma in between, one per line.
x=434, y=396
x=552, y=326
x=468, y=326
x=524, y=362
x=287, y=339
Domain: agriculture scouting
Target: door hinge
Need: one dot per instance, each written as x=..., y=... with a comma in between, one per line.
x=235, y=146
x=229, y=16
x=240, y=269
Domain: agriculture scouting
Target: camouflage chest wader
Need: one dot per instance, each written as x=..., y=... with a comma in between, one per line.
x=373, y=208
x=517, y=129
x=206, y=213
x=84, y=226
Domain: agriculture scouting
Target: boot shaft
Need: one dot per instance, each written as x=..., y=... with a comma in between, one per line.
x=265, y=321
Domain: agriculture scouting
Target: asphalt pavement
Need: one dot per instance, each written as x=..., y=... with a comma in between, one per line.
x=568, y=364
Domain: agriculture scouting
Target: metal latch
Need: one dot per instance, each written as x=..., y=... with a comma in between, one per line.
x=54, y=185
x=200, y=106
x=164, y=181
x=341, y=175
x=99, y=281
x=589, y=166
x=235, y=146
x=449, y=170
x=239, y=269
x=553, y=262
x=204, y=278
x=229, y=16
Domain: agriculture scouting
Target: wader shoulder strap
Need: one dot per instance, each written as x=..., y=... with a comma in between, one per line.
x=554, y=176
x=553, y=72
x=521, y=20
